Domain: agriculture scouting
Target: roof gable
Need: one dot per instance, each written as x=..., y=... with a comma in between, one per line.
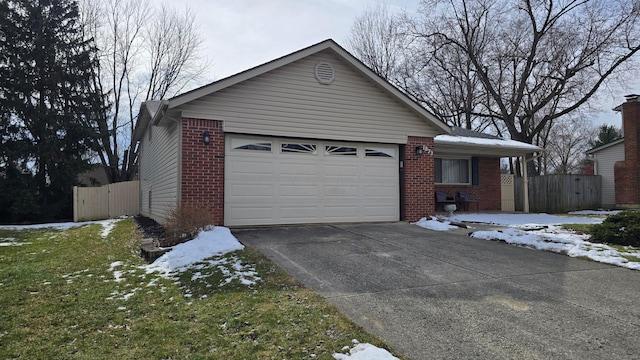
x=327, y=45
x=605, y=146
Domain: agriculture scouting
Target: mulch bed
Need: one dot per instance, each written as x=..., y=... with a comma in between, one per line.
x=153, y=240
x=150, y=228
x=155, y=231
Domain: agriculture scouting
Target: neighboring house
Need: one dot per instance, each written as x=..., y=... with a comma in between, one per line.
x=95, y=177
x=619, y=162
x=312, y=137
x=604, y=159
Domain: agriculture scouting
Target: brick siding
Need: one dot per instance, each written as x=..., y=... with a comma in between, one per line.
x=627, y=172
x=417, y=177
x=488, y=191
x=203, y=174
x=203, y=167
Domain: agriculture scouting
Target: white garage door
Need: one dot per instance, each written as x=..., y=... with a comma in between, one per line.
x=285, y=181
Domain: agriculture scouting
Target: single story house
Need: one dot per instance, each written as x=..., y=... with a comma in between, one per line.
x=618, y=162
x=312, y=137
x=604, y=158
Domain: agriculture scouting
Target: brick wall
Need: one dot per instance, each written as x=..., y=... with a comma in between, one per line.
x=627, y=172
x=417, y=176
x=203, y=167
x=488, y=191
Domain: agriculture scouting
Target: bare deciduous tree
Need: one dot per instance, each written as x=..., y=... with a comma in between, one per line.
x=567, y=146
x=145, y=53
x=375, y=40
x=440, y=81
x=520, y=64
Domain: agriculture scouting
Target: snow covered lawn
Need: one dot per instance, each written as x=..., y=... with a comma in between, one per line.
x=542, y=232
x=219, y=241
x=106, y=224
x=211, y=293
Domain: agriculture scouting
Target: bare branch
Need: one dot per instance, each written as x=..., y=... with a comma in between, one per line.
x=145, y=53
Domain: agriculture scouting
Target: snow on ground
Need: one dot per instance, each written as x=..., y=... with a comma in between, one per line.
x=522, y=220
x=364, y=352
x=209, y=250
x=216, y=241
x=541, y=232
x=11, y=242
x=434, y=224
x=595, y=212
x=559, y=240
x=107, y=226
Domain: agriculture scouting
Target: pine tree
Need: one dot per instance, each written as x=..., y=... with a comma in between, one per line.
x=606, y=134
x=47, y=105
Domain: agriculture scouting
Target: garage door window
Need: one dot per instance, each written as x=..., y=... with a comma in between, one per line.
x=379, y=152
x=244, y=144
x=340, y=150
x=299, y=148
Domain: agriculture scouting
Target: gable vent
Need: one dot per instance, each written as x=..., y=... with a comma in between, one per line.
x=324, y=73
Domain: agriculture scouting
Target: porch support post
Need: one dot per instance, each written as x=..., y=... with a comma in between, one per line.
x=525, y=181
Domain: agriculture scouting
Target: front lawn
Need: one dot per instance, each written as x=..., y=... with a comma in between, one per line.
x=75, y=294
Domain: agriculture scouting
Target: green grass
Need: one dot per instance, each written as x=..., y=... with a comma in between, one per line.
x=624, y=252
x=578, y=228
x=59, y=299
x=586, y=229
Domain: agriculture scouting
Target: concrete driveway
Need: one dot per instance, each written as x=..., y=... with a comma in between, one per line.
x=443, y=295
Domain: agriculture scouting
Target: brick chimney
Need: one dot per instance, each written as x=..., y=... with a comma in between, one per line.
x=627, y=172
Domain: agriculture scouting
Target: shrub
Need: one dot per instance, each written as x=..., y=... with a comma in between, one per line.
x=619, y=229
x=183, y=224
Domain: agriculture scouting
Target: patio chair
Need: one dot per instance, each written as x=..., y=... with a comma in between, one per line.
x=464, y=198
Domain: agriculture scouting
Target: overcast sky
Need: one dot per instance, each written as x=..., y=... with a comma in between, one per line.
x=241, y=34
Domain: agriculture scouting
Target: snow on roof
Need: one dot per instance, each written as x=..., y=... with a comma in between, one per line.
x=463, y=140
x=485, y=142
x=460, y=131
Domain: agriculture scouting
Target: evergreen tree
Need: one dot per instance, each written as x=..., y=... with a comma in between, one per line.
x=47, y=104
x=606, y=134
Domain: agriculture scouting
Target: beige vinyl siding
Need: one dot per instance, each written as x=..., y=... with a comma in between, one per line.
x=159, y=164
x=289, y=101
x=605, y=160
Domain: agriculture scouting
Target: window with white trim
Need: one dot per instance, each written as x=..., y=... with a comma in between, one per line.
x=452, y=171
x=340, y=150
x=379, y=152
x=299, y=148
x=248, y=144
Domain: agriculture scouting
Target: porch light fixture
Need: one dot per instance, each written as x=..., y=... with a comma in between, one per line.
x=206, y=137
x=423, y=149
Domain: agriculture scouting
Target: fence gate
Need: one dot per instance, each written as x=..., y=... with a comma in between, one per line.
x=507, y=192
x=104, y=202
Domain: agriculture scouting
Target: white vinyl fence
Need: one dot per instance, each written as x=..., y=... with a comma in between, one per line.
x=508, y=193
x=105, y=202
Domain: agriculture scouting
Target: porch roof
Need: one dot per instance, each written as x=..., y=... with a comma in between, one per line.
x=467, y=142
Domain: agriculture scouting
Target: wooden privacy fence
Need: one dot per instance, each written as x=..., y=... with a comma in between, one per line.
x=560, y=193
x=104, y=202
